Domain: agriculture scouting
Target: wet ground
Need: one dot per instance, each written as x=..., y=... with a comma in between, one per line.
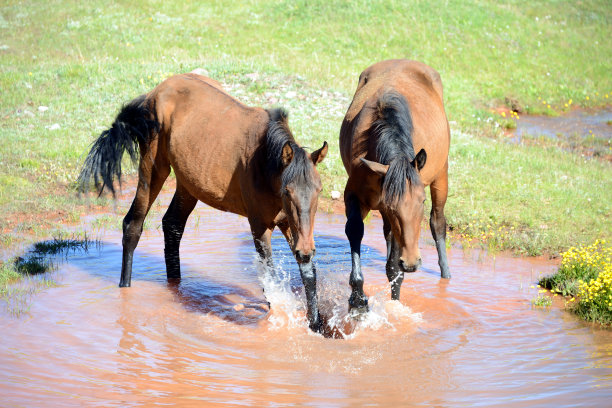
x=577, y=123
x=211, y=339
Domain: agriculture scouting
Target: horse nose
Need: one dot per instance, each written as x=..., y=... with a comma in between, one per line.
x=409, y=267
x=304, y=256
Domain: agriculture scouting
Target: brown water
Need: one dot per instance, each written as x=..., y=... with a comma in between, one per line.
x=211, y=341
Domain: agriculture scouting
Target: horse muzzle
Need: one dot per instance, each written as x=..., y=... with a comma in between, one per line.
x=303, y=257
x=409, y=267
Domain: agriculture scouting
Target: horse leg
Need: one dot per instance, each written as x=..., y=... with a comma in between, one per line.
x=308, y=272
x=437, y=221
x=394, y=273
x=261, y=238
x=358, y=301
x=150, y=181
x=173, y=225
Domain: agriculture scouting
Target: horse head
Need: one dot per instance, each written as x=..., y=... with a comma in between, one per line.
x=301, y=185
x=403, y=207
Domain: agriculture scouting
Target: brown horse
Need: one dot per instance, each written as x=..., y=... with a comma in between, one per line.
x=230, y=156
x=397, y=110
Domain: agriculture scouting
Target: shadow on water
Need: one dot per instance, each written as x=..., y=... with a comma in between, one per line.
x=199, y=291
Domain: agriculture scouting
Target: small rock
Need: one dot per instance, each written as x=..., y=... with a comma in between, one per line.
x=335, y=195
x=238, y=307
x=54, y=126
x=43, y=108
x=291, y=94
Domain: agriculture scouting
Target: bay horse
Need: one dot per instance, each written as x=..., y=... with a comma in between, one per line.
x=232, y=157
x=397, y=110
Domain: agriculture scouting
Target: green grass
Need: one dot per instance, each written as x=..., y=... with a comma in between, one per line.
x=32, y=265
x=84, y=60
x=62, y=246
x=8, y=275
x=20, y=278
x=23, y=276
x=541, y=301
x=526, y=199
x=585, y=274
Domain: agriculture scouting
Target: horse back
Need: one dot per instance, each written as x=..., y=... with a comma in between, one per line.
x=208, y=138
x=421, y=87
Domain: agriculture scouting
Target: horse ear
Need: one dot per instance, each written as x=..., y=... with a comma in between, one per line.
x=287, y=154
x=318, y=155
x=420, y=159
x=378, y=168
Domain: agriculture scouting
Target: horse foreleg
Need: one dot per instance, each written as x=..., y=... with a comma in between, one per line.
x=437, y=220
x=150, y=181
x=358, y=302
x=394, y=273
x=173, y=225
x=262, y=239
x=308, y=273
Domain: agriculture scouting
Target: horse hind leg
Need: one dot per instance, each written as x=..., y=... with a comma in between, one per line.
x=437, y=221
x=150, y=181
x=173, y=225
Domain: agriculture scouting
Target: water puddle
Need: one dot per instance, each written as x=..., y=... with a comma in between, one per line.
x=213, y=339
x=576, y=124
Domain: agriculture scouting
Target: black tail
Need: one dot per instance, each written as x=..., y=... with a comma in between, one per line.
x=135, y=124
x=393, y=131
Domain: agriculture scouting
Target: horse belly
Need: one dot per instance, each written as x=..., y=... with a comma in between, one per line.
x=209, y=169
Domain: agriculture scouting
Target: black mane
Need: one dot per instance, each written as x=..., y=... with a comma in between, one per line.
x=277, y=137
x=392, y=131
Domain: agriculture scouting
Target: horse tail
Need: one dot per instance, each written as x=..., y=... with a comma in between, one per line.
x=134, y=127
x=393, y=129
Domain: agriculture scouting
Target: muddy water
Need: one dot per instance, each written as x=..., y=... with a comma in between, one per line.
x=578, y=123
x=212, y=341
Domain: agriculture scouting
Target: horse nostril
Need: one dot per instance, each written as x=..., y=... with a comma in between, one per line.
x=301, y=257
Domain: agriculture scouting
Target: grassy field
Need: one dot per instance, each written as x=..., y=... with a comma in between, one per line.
x=66, y=67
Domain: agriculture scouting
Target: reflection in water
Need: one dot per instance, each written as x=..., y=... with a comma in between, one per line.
x=214, y=339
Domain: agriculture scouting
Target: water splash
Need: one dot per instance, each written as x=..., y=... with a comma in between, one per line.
x=288, y=305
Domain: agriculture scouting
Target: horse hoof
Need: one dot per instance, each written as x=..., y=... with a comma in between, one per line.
x=358, y=312
x=317, y=325
x=358, y=301
x=124, y=285
x=446, y=275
